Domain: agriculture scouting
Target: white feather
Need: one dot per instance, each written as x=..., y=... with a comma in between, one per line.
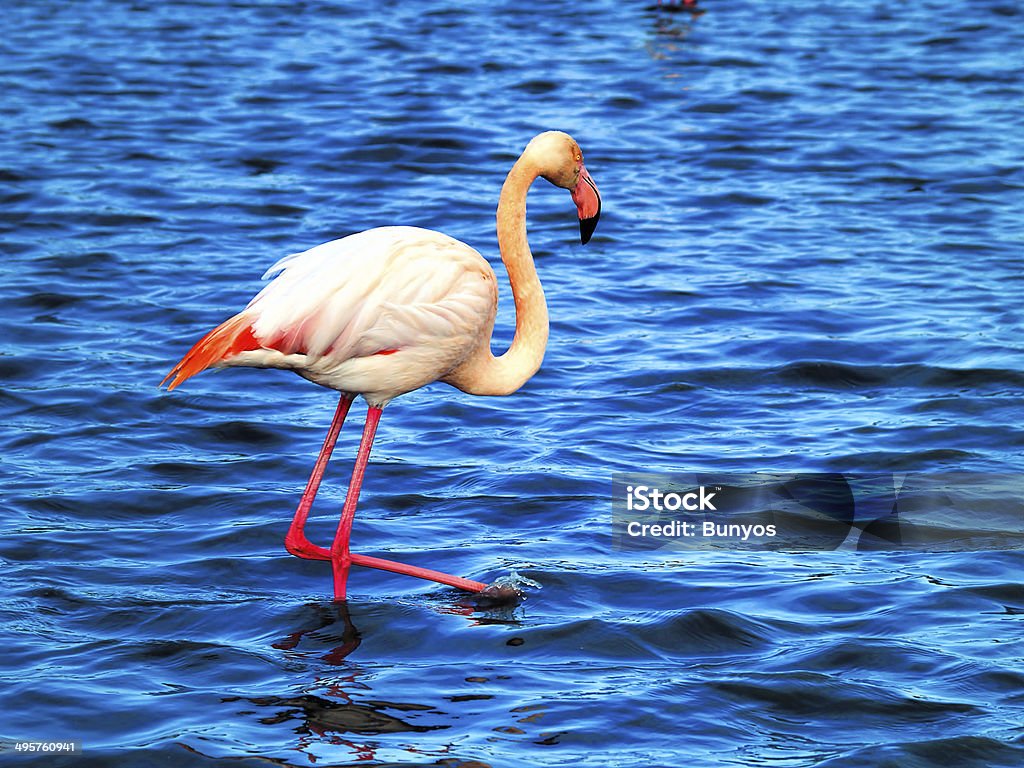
x=330, y=310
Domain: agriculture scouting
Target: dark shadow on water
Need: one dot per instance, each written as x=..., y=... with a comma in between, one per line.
x=317, y=720
x=334, y=707
x=323, y=615
x=692, y=7
x=489, y=608
x=672, y=24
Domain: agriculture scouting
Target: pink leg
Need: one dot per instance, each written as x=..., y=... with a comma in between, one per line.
x=420, y=573
x=296, y=542
x=341, y=559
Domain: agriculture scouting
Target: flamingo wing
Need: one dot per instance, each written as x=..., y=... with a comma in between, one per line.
x=374, y=293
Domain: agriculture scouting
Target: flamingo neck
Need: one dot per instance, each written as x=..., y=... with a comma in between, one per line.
x=502, y=375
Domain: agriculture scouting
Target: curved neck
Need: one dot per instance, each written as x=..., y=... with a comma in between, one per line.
x=485, y=374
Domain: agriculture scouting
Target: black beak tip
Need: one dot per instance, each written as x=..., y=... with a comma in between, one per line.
x=587, y=227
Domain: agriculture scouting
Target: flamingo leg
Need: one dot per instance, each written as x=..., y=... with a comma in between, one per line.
x=339, y=554
x=341, y=558
x=295, y=541
x=381, y=564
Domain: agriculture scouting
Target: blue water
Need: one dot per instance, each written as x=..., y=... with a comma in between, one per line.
x=810, y=259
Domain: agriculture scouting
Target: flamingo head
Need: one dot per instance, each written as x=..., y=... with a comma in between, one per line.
x=560, y=161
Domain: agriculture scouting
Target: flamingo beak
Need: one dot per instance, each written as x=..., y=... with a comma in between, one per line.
x=588, y=204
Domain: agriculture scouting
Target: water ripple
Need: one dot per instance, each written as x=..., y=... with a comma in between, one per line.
x=809, y=259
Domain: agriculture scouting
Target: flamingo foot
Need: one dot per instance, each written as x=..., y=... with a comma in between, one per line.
x=498, y=595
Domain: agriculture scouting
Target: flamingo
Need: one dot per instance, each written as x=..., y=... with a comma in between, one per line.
x=386, y=311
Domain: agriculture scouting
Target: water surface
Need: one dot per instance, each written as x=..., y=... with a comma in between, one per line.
x=809, y=260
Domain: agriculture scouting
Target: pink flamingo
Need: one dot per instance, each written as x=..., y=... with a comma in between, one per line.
x=386, y=311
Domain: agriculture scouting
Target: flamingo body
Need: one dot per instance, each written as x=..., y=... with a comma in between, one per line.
x=378, y=313
x=389, y=310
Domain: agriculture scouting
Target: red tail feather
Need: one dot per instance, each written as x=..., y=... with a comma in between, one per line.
x=225, y=341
